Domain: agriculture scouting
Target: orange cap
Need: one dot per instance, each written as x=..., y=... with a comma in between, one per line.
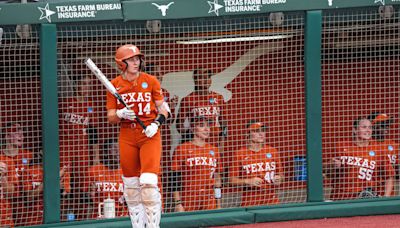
x=255, y=125
x=382, y=118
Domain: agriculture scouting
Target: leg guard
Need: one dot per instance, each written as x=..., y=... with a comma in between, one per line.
x=151, y=199
x=134, y=200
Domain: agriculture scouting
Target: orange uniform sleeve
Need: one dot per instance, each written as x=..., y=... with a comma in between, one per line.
x=67, y=181
x=386, y=168
x=157, y=92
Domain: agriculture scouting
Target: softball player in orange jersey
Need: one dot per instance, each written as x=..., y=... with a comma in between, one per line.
x=257, y=168
x=105, y=180
x=198, y=164
x=358, y=165
x=140, y=150
x=202, y=102
x=13, y=149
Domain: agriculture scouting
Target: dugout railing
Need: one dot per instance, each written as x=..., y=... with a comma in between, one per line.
x=307, y=69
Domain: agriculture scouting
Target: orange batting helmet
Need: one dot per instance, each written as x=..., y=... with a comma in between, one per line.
x=125, y=52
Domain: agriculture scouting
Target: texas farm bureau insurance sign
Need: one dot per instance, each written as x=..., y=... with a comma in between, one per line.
x=77, y=11
x=233, y=6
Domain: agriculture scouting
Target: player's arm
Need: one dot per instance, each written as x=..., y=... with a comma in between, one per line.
x=387, y=172
x=163, y=108
x=115, y=115
x=36, y=192
x=163, y=113
x=8, y=187
x=112, y=116
x=253, y=181
x=389, y=183
x=178, y=202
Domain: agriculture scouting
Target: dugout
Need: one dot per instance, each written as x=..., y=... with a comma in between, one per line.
x=307, y=69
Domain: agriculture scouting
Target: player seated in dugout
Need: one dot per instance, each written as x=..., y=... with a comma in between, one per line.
x=257, y=167
x=105, y=180
x=357, y=165
x=16, y=158
x=33, y=188
x=202, y=102
x=197, y=169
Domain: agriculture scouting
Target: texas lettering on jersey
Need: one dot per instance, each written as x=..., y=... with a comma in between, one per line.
x=203, y=161
x=206, y=111
x=357, y=161
x=259, y=167
x=109, y=187
x=76, y=119
x=136, y=97
x=366, y=167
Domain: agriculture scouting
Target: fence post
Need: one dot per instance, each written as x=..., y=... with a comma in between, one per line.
x=313, y=100
x=49, y=93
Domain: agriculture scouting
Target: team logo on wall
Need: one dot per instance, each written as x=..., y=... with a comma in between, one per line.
x=381, y=1
x=163, y=8
x=46, y=13
x=173, y=83
x=214, y=7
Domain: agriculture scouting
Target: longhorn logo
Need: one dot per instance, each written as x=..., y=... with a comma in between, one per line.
x=163, y=8
x=181, y=83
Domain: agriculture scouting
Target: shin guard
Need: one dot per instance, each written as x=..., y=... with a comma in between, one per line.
x=151, y=199
x=133, y=198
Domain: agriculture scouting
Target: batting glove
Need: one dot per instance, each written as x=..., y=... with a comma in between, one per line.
x=126, y=113
x=151, y=130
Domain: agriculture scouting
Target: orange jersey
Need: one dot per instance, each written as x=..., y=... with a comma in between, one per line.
x=141, y=93
x=76, y=119
x=20, y=164
x=391, y=150
x=6, y=219
x=103, y=183
x=34, y=206
x=208, y=105
x=197, y=166
x=361, y=168
x=21, y=161
x=6, y=209
x=264, y=164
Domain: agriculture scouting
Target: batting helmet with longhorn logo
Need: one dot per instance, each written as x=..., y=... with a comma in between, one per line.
x=125, y=52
